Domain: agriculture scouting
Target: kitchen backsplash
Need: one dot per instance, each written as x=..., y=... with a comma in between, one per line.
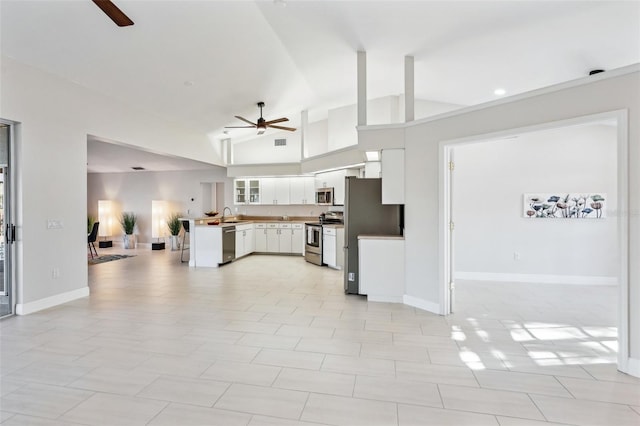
x=303, y=210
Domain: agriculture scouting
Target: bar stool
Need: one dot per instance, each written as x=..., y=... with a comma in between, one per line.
x=185, y=226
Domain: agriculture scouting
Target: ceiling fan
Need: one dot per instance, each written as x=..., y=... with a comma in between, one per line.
x=262, y=124
x=114, y=13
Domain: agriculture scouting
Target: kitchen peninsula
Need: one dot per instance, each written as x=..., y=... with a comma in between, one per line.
x=213, y=241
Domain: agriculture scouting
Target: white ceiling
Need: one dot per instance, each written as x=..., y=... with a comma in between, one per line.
x=202, y=62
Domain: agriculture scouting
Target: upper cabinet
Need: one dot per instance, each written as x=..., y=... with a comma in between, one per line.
x=335, y=179
x=275, y=190
x=393, y=176
x=246, y=191
x=302, y=190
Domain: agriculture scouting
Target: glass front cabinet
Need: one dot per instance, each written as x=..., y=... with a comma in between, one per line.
x=246, y=191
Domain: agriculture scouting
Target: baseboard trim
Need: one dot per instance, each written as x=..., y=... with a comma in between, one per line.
x=50, y=302
x=632, y=367
x=421, y=304
x=537, y=278
x=385, y=299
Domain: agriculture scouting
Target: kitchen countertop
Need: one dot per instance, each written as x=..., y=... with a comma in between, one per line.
x=380, y=237
x=203, y=221
x=333, y=225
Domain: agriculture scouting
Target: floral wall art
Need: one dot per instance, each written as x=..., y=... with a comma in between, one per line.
x=565, y=206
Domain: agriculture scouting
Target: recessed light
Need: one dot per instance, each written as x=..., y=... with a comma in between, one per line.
x=499, y=92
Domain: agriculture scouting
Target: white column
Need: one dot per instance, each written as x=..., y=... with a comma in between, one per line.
x=409, y=89
x=304, y=127
x=362, y=88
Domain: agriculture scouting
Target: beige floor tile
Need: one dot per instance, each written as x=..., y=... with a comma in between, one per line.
x=359, y=366
x=175, y=366
x=464, y=358
x=329, y=346
x=293, y=319
x=412, y=415
x=298, y=331
x=183, y=390
x=274, y=421
x=252, y=327
x=585, y=413
x=394, y=352
x=112, y=380
x=552, y=367
x=521, y=382
x=293, y=359
x=594, y=390
x=489, y=401
x=342, y=323
x=5, y=415
x=514, y=421
x=48, y=373
x=238, y=372
x=105, y=409
x=393, y=327
x=8, y=385
x=218, y=351
x=263, y=400
x=315, y=381
x=337, y=410
x=22, y=420
x=430, y=342
x=396, y=390
x=217, y=336
x=432, y=373
x=188, y=415
x=43, y=400
x=269, y=341
x=363, y=336
x=609, y=372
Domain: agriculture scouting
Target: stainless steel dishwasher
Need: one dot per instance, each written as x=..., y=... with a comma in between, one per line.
x=228, y=244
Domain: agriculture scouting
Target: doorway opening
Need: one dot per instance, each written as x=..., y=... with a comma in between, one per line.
x=551, y=261
x=7, y=228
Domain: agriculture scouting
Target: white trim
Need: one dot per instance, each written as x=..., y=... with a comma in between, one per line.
x=537, y=278
x=629, y=69
x=421, y=304
x=630, y=366
x=386, y=299
x=49, y=302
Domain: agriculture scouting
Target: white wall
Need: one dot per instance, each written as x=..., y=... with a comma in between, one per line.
x=263, y=150
x=55, y=118
x=489, y=181
x=611, y=91
x=316, y=139
x=133, y=192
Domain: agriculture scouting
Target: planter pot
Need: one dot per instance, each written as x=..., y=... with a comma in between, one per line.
x=129, y=241
x=175, y=243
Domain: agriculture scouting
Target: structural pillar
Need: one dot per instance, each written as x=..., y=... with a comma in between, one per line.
x=362, y=88
x=409, y=90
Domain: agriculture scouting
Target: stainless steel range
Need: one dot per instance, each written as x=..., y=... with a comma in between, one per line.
x=313, y=236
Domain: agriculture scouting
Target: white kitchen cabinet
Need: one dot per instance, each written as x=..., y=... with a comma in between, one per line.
x=297, y=238
x=302, y=190
x=393, y=176
x=275, y=190
x=244, y=240
x=260, y=236
x=332, y=247
x=335, y=180
x=273, y=238
x=246, y=191
x=284, y=237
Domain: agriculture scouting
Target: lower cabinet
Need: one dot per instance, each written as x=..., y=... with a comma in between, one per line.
x=332, y=247
x=245, y=242
x=279, y=238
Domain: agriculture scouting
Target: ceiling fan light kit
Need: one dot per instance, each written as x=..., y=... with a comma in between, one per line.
x=261, y=124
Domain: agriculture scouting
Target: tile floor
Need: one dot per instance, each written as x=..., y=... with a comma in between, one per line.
x=273, y=340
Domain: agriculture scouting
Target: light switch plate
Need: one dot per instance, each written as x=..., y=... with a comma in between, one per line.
x=54, y=224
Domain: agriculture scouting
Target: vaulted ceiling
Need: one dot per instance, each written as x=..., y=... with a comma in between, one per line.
x=202, y=62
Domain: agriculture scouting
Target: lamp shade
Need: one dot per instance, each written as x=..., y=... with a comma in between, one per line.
x=158, y=219
x=105, y=217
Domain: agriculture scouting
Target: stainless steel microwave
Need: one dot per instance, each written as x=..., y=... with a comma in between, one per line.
x=324, y=196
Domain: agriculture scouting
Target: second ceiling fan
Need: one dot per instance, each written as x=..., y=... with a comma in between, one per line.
x=262, y=124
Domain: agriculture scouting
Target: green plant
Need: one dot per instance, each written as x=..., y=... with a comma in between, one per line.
x=90, y=221
x=128, y=222
x=174, y=223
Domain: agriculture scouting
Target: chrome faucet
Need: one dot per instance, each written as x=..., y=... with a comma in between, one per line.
x=224, y=210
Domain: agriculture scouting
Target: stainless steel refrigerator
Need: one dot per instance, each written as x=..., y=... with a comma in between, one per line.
x=364, y=213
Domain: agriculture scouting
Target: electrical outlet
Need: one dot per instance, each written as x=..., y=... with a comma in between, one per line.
x=55, y=273
x=516, y=255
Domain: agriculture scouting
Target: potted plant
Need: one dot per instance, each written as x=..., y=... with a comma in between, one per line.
x=128, y=222
x=174, y=223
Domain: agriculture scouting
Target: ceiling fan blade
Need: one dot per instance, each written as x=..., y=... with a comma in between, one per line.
x=245, y=120
x=114, y=13
x=277, y=120
x=239, y=127
x=290, y=129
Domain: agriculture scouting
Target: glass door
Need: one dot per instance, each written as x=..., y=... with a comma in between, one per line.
x=7, y=230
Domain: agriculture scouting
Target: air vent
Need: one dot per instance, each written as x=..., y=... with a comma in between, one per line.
x=138, y=168
x=280, y=142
